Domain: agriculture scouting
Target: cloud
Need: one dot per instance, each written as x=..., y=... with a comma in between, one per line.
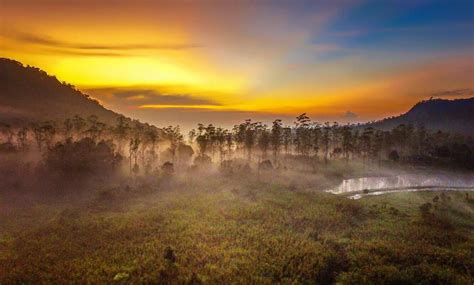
x=455, y=93
x=84, y=53
x=150, y=98
x=77, y=48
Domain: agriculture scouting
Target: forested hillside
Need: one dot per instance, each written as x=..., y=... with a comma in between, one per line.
x=454, y=116
x=29, y=94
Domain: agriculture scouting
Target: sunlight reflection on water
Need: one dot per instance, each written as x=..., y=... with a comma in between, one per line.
x=367, y=186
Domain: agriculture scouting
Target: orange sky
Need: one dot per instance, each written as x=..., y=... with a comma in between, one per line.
x=177, y=62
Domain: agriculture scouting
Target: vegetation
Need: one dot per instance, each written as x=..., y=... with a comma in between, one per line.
x=221, y=230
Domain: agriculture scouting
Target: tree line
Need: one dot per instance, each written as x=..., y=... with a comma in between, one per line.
x=147, y=147
x=330, y=141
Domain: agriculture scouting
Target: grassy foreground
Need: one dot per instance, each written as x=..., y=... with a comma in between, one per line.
x=211, y=231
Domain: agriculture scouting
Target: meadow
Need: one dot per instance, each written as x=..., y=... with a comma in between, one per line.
x=245, y=228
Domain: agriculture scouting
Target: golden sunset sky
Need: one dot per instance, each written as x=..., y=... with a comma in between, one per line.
x=183, y=62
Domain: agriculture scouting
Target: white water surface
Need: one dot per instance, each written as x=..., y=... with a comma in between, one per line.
x=373, y=186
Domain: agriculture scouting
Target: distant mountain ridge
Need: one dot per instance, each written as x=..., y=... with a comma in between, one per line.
x=29, y=94
x=454, y=116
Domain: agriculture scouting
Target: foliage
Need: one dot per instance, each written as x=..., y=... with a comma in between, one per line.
x=83, y=158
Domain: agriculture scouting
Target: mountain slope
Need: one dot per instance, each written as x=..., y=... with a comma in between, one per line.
x=455, y=116
x=28, y=94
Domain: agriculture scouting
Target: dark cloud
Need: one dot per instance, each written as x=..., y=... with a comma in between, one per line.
x=89, y=48
x=148, y=97
x=455, y=93
x=154, y=97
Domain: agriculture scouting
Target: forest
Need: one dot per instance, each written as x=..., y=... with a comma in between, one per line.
x=87, y=144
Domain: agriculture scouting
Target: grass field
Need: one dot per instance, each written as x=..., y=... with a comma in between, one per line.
x=211, y=231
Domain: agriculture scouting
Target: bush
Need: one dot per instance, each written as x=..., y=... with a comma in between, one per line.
x=82, y=158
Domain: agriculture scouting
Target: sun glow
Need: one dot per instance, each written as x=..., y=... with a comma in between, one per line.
x=226, y=61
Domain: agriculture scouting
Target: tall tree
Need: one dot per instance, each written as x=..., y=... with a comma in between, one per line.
x=121, y=131
x=276, y=139
x=263, y=141
x=326, y=139
x=133, y=154
x=302, y=138
x=287, y=139
x=174, y=136
x=347, y=143
x=245, y=134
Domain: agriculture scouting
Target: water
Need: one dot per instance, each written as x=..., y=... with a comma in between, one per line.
x=401, y=190
x=357, y=188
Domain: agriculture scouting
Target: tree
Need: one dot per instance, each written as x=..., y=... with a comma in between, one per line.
x=245, y=134
x=376, y=146
x=366, y=142
x=43, y=134
x=302, y=138
x=121, y=131
x=335, y=140
x=185, y=153
x=347, y=143
x=81, y=159
x=203, y=139
x=276, y=139
x=315, y=138
x=79, y=124
x=150, y=141
x=229, y=142
x=192, y=134
x=326, y=139
x=263, y=141
x=287, y=139
x=174, y=136
x=133, y=153
x=95, y=127
x=220, y=140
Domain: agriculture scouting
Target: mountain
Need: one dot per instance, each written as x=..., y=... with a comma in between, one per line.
x=454, y=116
x=28, y=94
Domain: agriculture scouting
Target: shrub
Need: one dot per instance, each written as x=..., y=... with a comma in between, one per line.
x=83, y=157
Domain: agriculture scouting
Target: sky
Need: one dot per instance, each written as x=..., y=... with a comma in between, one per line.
x=184, y=62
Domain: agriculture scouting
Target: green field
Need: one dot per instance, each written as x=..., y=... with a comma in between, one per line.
x=211, y=231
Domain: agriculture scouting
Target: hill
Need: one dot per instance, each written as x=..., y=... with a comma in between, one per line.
x=455, y=116
x=29, y=94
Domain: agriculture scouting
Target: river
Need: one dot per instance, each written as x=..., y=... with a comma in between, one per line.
x=357, y=188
